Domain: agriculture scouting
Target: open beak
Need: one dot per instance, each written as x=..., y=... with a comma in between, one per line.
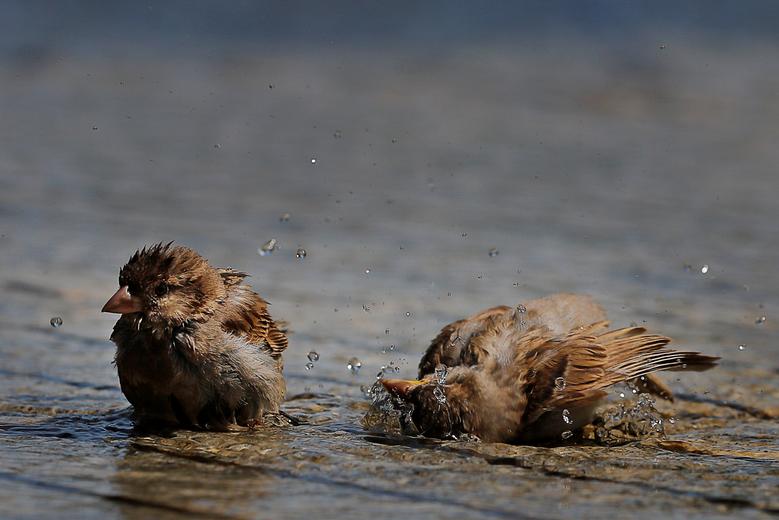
x=122, y=303
x=400, y=387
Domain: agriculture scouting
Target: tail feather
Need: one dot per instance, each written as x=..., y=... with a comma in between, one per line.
x=633, y=353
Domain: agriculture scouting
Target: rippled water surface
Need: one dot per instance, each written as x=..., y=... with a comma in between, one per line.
x=419, y=188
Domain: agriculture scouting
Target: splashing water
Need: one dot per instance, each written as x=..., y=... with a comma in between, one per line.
x=521, y=312
x=313, y=356
x=440, y=374
x=56, y=322
x=387, y=413
x=438, y=391
x=629, y=421
x=439, y=395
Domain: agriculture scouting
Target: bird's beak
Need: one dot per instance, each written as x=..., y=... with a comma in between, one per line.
x=400, y=387
x=122, y=303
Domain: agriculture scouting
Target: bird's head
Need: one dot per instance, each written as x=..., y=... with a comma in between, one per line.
x=446, y=405
x=168, y=285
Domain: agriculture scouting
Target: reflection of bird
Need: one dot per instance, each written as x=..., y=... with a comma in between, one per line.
x=532, y=372
x=195, y=346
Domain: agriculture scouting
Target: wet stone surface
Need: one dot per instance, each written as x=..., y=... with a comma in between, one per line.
x=621, y=189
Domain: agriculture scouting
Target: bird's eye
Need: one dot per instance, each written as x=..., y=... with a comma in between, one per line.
x=133, y=289
x=161, y=289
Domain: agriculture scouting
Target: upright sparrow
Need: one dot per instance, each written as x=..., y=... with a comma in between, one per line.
x=195, y=345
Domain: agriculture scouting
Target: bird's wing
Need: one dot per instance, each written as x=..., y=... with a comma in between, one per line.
x=451, y=345
x=230, y=276
x=559, y=313
x=573, y=370
x=246, y=315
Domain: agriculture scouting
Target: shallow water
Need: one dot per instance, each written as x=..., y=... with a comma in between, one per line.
x=619, y=175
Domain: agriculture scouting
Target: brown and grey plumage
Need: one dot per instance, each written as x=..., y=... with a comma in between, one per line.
x=246, y=314
x=195, y=345
x=511, y=372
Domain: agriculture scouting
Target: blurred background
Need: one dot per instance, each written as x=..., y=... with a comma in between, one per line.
x=414, y=161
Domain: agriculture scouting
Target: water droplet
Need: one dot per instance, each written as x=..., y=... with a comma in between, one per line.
x=742, y=347
x=559, y=384
x=440, y=374
x=494, y=251
x=521, y=311
x=285, y=217
x=389, y=348
x=760, y=320
x=313, y=356
x=313, y=160
x=439, y=395
x=337, y=134
x=367, y=271
x=354, y=365
x=705, y=268
x=381, y=371
x=366, y=308
x=94, y=128
x=268, y=247
x=309, y=365
x=567, y=416
x=408, y=314
x=300, y=254
x=567, y=434
x=672, y=420
x=386, y=331
x=622, y=395
x=217, y=146
x=56, y=321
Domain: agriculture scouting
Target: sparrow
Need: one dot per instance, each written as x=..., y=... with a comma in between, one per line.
x=533, y=372
x=195, y=345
